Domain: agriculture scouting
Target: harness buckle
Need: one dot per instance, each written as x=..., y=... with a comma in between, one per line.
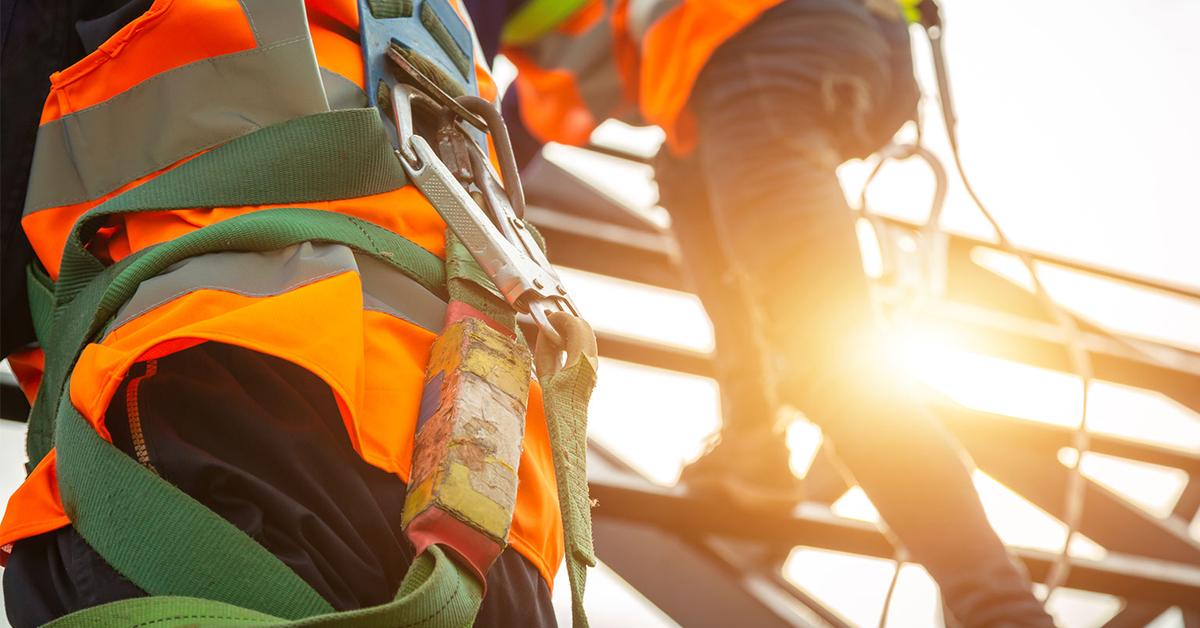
x=501, y=244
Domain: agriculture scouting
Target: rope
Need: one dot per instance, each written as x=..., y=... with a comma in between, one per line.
x=1078, y=357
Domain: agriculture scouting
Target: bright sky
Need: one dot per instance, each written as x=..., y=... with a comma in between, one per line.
x=1078, y=125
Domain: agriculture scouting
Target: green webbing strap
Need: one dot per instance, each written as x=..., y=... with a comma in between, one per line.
x=566, y=395
x=161, y=539
x=536, y=18
x=40, y=290
x=435, y=593
x=152, y=533
x=466, y=282
x=326, y=156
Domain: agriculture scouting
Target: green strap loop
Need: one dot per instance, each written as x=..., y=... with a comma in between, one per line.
x=536, y=18
x=466, y=282
x=40, y=290
x=153, y=534
x=566, y=395
x=163, y=540
x=435, y=593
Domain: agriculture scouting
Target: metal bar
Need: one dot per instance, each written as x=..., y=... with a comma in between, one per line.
x=595, y=244
x=619, y=347
x=763, y=567
x=824, y=482
x=1046, y=439
x=1136, y=615
x=693, y=589
x=1108, y=519
x=627, y=498
x=1187, y=291
x=607, y=249
x=621, y=153
x=549, y=185
x=1189, y=501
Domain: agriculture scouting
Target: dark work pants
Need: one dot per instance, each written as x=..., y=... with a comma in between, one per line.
x=261, y=442
x=770, y=243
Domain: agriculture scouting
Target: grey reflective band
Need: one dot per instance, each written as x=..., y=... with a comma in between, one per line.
x=395, y=294
x=92, y=152
x=341, y=92
x=276, y=272
x=588, y=57
x=644, y=13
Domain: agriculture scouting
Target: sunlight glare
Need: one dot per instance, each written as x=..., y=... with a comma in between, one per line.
x=854, y=504
x=1153, y=488
x=1000, y=386
x=854, y=586
x=1019, y=522
x=1171, y=618
x=868, y=247
x=609, y=601
x=655, y=420
x=640, y=311
x=1072, y=608
x=1115, y=305
x=992, y=384
x=804, y=442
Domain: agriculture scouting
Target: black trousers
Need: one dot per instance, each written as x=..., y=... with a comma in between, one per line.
x=260, y=441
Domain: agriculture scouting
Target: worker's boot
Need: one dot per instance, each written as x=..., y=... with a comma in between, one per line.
x=750, y=470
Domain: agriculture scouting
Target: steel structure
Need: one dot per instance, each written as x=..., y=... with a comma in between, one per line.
x=724, y=566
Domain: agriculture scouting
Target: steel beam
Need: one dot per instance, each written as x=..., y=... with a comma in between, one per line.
x=1136, y=615
x=1108, y=519
x=691, y=588
x=624, y=496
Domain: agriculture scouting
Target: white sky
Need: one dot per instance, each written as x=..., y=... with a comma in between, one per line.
x=1078, y=124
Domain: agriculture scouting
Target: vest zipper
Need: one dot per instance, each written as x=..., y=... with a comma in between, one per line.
x=133, y=411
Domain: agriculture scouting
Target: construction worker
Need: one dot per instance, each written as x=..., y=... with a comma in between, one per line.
x=761, y=101
x=235, y=287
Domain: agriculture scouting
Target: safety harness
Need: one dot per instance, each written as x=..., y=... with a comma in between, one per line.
x=197, y=568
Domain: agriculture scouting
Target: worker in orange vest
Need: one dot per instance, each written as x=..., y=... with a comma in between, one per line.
x=254, y=283
x=761, y=101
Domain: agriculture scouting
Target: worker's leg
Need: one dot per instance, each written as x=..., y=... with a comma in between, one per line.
x=747, y=437
x=778, y=106
x=261, y=442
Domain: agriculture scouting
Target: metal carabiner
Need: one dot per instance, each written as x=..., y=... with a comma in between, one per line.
x=504, y=249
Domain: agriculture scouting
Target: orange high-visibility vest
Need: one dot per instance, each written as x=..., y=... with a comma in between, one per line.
x=183, y=78
x=635, y=60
